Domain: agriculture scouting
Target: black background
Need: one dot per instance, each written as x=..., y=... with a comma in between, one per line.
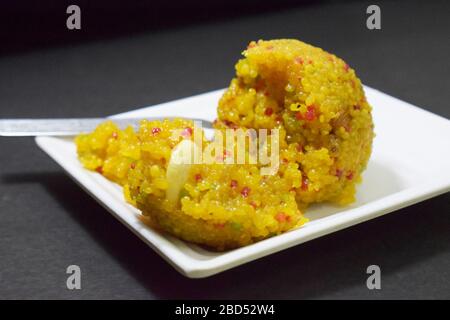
x=143, y=53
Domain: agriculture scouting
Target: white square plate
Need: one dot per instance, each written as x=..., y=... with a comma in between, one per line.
x=410, y=163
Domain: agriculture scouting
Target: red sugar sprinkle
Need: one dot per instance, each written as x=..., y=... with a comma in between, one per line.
x=305, y=183
x=245, y=192
x=281, y=217
x=187, y=132
x=198, y=177
x=310, y=114
x=156, y=130
x=268, y=112
x=350, y=175
x=299, y=60
x=233, y=184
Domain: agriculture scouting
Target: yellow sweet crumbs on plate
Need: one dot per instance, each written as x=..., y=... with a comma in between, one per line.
x=326, y=132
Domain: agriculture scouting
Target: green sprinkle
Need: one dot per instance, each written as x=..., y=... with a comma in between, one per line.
x=183, y=193
x=236, y=226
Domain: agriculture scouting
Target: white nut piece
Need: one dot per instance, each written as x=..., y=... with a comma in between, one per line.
x=180, y=164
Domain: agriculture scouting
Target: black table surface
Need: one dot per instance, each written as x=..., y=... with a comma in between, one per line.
x=47, y=222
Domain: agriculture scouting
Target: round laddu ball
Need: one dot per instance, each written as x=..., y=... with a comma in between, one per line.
x=317, y=100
